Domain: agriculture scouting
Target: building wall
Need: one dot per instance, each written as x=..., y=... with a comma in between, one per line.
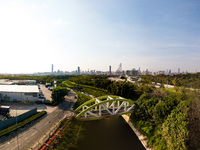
x=17, y=96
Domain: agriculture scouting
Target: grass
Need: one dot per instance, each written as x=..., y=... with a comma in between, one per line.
x=81, y=99
x=86, y=88
x=70, y=136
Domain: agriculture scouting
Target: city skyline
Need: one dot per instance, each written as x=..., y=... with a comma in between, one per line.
x=154, y=35
x=119, y=70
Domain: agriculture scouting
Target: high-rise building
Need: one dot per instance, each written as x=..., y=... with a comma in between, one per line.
x=52, y=68
x=179, y=71
x=120, y=67
x=109, y=69
x=170, y=72
x=147, y=72
x=79, y=71
x=119, y=70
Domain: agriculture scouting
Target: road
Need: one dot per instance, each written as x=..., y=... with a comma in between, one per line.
x=46, y=92
x=31, y=136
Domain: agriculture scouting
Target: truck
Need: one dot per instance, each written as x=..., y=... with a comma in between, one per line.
x=47, y=85
x=4, y=110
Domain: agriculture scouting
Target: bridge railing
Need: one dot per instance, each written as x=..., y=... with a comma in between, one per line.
x=109, y=106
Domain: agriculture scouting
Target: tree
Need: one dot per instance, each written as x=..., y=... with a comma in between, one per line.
x=58, y=94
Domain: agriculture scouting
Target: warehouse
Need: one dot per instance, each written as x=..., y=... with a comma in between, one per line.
x=19, y=93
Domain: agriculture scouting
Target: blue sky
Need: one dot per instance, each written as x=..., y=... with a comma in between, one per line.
x=93, y=34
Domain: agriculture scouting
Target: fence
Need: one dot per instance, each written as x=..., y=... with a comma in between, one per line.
x=6, y=123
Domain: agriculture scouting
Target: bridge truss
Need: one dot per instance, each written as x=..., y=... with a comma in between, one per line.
x=104, y=106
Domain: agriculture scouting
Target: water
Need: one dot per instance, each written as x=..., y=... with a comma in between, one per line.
x=110, y=134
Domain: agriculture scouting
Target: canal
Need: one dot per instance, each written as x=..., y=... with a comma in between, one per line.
x=109, y=134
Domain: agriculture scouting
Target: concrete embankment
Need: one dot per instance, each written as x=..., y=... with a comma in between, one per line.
x=142, y=138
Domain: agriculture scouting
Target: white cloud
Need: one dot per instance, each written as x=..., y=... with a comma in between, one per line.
x=44, y=5
x=59, y=21
x=34, y=7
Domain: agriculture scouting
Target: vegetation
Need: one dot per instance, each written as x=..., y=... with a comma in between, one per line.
x=194, y=122
x=81, y=99
x=39, y=79
x=70, y=136
x=169, y=118
x=58, y=94
x=14, y=128
x=162, y=116
x=86, y=88
x=69, y=84
x=190, y=80
x=95, y=84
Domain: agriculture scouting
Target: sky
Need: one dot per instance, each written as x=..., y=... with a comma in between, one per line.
x=94, y=34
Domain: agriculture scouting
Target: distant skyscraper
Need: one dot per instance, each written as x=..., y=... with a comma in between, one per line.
x=120, y=67
x=79, y=71
x=109, y=69
x=147, y=72
x=52, y=68
x=170, y=72
x=119, y=70
x=179, y=71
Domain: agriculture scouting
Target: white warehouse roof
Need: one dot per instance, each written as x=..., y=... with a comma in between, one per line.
x=19, y=88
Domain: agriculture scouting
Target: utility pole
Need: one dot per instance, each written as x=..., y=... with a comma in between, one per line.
x=17, y=130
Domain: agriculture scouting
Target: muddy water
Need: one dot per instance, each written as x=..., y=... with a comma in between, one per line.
x=110, y=134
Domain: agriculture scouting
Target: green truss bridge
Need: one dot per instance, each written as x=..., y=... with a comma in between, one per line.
x=104, y=106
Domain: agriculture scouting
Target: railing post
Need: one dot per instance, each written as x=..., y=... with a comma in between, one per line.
x=95, y=106
x=113, y=108
x=108, y=104
x=125, y=106
x=99, y=110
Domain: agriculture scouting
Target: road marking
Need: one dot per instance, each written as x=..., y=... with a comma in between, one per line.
x=15, y=147
x=33, y=133
x=27, y=131
x=56, y=115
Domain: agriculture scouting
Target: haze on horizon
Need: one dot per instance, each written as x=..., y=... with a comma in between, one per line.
x=93, y=34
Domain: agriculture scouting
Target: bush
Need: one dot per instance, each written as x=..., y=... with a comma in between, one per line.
x=70, y=136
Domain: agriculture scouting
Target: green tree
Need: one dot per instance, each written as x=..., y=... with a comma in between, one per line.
x=175, y=127
x=58, y=94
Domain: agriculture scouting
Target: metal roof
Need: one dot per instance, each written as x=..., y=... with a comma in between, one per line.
x=19, y=88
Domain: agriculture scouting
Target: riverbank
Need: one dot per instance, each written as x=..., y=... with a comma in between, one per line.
x=143, y=139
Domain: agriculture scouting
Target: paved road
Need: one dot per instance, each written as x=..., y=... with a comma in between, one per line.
x=31, y=136
x=46, y=92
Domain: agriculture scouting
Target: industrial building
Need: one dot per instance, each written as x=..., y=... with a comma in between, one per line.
x=17, y=82
x=19, y=93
